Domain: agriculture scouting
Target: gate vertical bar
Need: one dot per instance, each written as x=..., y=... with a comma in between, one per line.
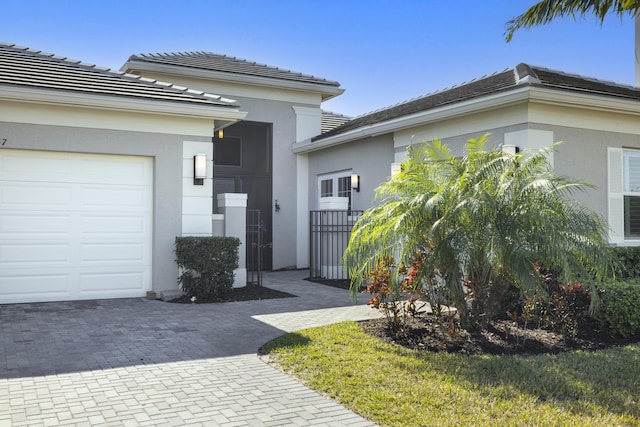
x=255, y=245
x=330, y=231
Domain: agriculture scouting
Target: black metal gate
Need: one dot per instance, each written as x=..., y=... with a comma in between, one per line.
x=255, y=246
x=329, y=236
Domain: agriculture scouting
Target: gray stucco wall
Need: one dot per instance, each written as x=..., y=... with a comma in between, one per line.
x=282, y=116
x=583, y=155
x=167, y=153
x=370, y=158
x=495, y=138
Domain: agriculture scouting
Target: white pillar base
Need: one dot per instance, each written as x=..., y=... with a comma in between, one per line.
x=240, y=278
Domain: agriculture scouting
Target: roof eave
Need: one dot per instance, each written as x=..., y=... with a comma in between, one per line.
x=325, y=90
x=423, y=117
x=531, y=93
x=591, y=101
x=55, y=97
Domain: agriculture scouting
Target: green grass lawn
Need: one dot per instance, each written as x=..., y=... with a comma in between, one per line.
x=393, y=386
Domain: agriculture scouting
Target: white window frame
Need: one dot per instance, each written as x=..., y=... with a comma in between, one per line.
x=334, y=177
x=617, y=176
x=626, y=183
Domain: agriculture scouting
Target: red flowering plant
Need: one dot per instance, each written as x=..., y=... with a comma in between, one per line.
x=401, y=292
x=561, y=307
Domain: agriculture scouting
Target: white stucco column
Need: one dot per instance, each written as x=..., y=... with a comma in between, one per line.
x=302, y=212
x=234, y=209
x=308, y=120
x=196, y=199
x=530, y=139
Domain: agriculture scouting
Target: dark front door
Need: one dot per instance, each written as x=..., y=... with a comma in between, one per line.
x=242, y=164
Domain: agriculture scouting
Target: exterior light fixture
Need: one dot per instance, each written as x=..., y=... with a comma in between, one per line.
x=510, y=149
x=355, y=182
x=220, y=133
x=199, y=169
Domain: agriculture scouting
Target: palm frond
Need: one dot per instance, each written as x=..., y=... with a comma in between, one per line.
x=547, y=10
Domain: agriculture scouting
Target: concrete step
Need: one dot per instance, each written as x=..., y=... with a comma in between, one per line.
x=170, y=294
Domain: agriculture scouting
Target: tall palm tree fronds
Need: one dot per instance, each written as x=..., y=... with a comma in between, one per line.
x=483, y=219
x=547, y=10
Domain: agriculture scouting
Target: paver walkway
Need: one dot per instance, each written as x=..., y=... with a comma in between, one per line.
x=141, y=363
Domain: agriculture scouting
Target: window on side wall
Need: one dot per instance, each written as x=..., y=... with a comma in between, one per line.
x=631, y=193
x=326, y=188
x=337, y=184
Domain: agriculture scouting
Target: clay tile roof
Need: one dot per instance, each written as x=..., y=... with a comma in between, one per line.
x=28, y=68
x=331, y=120
x=229, y=64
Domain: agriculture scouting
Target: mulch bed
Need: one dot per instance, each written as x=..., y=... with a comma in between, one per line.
x=247, y=293
x=429, y=333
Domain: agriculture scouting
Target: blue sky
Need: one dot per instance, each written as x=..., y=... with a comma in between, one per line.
x=382, y=52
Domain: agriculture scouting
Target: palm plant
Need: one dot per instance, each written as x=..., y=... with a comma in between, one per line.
x=480, y=223
x=546, y=11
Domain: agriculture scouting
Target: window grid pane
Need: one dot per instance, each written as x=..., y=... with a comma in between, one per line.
x=632, y=171
x=344, y=186
x=326, y=188
x=631, y=190
x=631, y=216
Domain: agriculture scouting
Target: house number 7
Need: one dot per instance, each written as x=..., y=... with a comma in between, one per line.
x=3, y=141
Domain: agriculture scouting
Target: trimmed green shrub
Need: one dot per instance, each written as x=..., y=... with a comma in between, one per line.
x=620, y=310
x=207, y=264
x=628, y=258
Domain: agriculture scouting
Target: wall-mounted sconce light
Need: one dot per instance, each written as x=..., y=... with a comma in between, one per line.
x=220, y=133
x=355, y=182
x=199, y=169
x=277, y=206
x=510, y=149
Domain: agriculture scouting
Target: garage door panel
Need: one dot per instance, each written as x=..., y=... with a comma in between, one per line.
x=106, y=282
x=74, y=226
x=119, y=170
x=113, y=198
x=39, y=225
x=20, y=195
x=13, y=255
x=122, y=226
x=19, y=287
x=122, y=252
x=20, y=166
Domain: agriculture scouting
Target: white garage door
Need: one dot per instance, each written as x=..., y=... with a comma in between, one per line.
x=74, y=226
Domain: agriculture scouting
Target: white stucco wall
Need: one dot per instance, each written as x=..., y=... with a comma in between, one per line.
x=196, y=199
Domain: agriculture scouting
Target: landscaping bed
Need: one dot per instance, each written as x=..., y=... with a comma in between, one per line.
x=394, y=386
x=247, y=293
x=431, y=333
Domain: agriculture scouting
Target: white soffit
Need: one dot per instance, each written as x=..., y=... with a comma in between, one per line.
x=328, y=92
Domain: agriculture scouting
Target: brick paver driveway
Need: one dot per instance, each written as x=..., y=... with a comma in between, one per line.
x=139, y=362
